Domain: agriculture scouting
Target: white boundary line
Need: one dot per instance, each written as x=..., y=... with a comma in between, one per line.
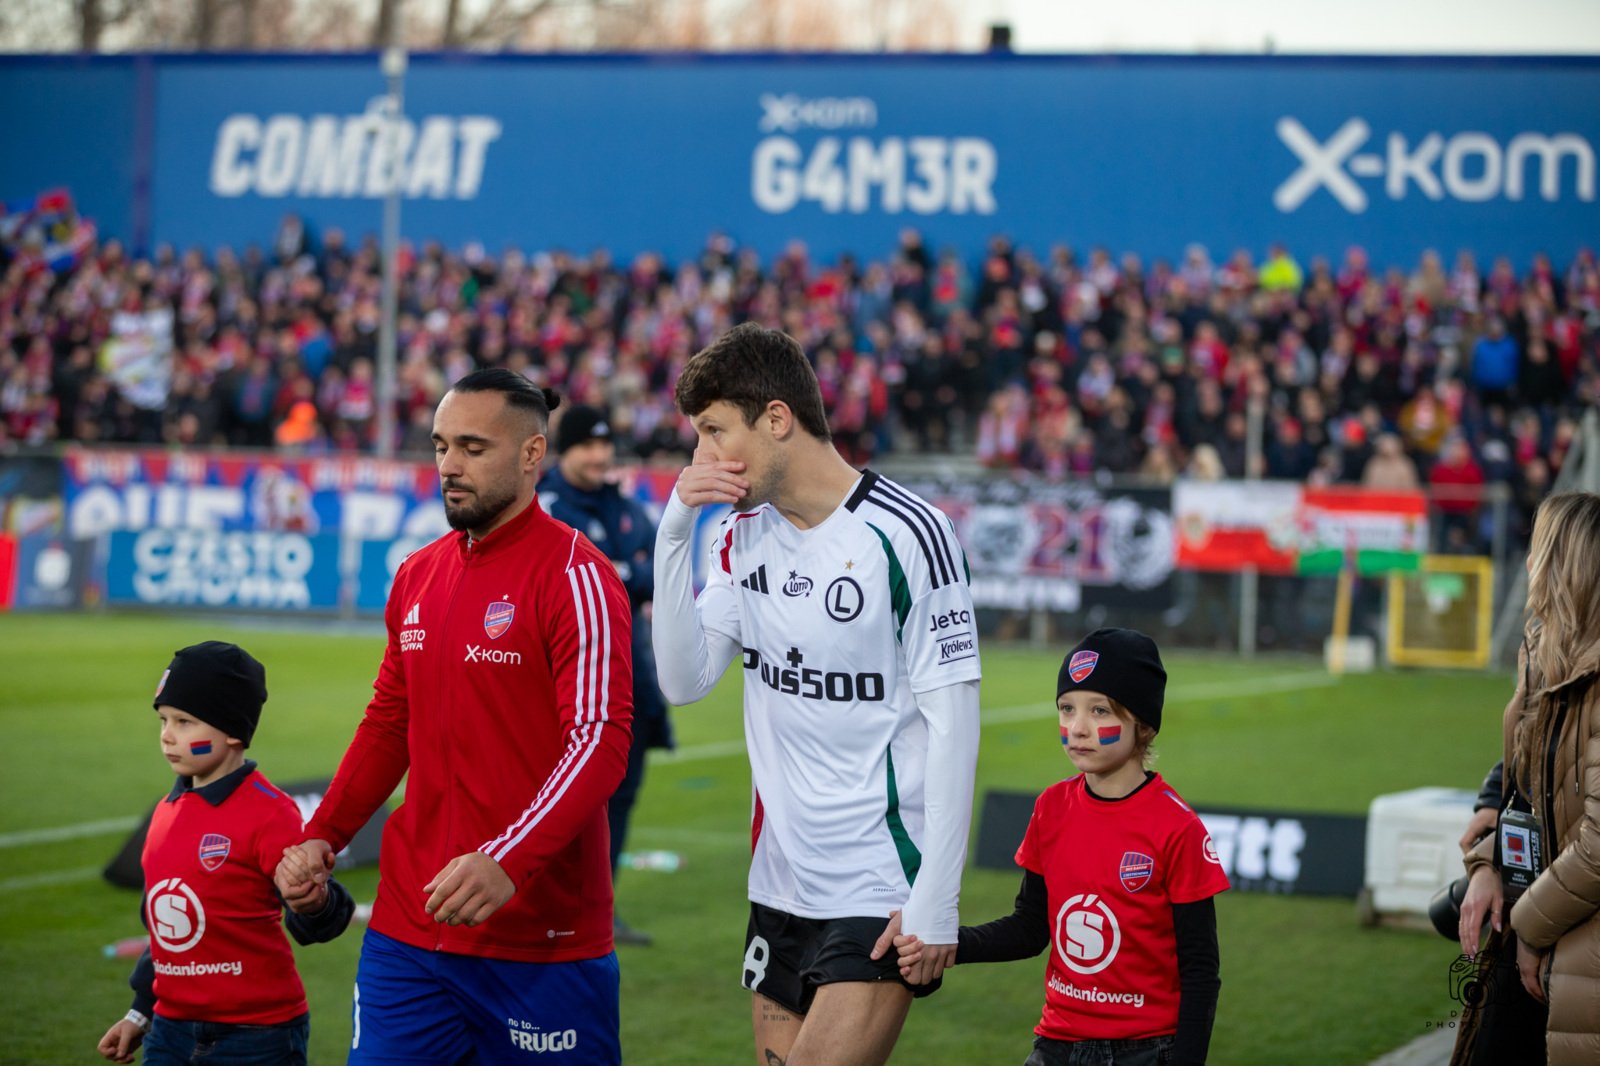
x=1261, y=686
x=104, y=827
x=46, y=880
x=1209, y=690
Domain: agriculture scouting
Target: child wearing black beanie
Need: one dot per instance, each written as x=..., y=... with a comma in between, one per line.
x=218, y=978
x=1119, y=876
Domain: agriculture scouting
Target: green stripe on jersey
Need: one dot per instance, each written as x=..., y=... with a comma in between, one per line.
x=910, y=857
x=899, y=590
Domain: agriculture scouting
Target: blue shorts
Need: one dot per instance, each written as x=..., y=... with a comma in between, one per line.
x=432, y=1008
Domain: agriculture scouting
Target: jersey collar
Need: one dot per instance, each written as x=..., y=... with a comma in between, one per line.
x=218, y=791
x=503, y=535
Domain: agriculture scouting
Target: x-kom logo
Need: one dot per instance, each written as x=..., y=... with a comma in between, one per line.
x=1467, y=166
x=1087, y=934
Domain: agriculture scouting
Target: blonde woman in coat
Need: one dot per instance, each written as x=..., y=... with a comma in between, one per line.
x=1553, y=748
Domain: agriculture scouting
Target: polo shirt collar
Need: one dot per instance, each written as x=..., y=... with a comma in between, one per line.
x=218, y=791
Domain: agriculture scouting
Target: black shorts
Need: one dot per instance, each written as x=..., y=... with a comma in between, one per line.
x=787, y=958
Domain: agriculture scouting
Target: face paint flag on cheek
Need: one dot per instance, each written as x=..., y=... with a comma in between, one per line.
x=1110, y=734
x=1065, y=739
x=203, y=747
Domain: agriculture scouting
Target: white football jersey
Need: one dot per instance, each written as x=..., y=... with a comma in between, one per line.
x=840, y=625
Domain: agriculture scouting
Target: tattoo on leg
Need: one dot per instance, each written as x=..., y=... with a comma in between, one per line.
x=771, y=1012
x=773, y=1058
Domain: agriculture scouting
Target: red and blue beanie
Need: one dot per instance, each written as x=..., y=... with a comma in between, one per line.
x=221, y=684
x=1123, y=664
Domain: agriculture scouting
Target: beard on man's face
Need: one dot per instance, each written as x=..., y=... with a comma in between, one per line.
x=764, y=484
x=480, y=510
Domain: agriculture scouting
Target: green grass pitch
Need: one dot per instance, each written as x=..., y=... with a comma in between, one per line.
x=1302, y=981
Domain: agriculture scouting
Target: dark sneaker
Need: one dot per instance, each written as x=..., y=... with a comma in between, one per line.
x=623, y=933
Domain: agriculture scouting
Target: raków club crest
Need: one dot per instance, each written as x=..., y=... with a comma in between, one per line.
x=1135, y=870
x=497, y=619
x=214, y=849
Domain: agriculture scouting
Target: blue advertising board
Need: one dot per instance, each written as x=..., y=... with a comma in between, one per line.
x=357, y=497
x=634, y=153
x=208, y=568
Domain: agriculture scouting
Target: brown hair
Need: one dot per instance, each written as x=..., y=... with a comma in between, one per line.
x=750, y=366
x=1563, y=601
x=1143, y=733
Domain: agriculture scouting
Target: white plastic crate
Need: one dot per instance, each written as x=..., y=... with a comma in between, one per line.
x=1412, y=849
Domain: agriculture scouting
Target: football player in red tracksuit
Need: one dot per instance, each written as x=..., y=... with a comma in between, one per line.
x=506, y=694
x=1119, y=875
x=217, y=981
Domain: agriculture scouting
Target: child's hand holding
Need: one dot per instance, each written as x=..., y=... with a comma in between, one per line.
x=121, y=1041
x=910, y=949
x=311, y=900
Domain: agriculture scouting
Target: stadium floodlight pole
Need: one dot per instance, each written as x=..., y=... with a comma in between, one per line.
x=394, y=70
x=1249, y=584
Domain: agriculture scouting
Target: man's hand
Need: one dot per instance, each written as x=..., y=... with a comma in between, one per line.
x=1529, y=961
x=1482, y=824
x=468, y=890
x=302, y=875
x=887, y=938
x=706, y=480
x=121, y=1041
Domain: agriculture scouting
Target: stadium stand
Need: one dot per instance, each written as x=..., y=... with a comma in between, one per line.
x=1066, y=364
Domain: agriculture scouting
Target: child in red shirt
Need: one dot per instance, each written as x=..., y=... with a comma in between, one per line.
x=1119, y=875
x=218, y=978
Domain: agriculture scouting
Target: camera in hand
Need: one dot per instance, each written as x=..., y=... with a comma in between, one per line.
x=1444, y=909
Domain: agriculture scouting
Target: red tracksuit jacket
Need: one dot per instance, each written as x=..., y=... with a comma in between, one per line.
x=506, y=690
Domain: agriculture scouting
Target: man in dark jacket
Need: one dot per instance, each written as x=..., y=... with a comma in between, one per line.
x=582, y=492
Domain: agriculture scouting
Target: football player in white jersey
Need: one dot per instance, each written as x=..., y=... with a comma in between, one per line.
x=847, y=600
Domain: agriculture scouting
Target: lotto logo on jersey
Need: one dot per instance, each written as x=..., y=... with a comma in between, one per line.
x=497, y=618
x=214, y=849
x=1087, y=933
x=177, y=920
x=1081, y=665
x=1135, y=870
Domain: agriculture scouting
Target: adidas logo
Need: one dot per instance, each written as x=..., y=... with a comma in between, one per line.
x=413, y=616
x=757, y=581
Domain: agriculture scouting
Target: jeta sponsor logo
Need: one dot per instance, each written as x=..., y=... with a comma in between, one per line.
x=949, y=619
x=438, y=157
x=1469, y=166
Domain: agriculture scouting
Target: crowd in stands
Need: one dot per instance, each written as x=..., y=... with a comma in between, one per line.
x=1069, y=364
